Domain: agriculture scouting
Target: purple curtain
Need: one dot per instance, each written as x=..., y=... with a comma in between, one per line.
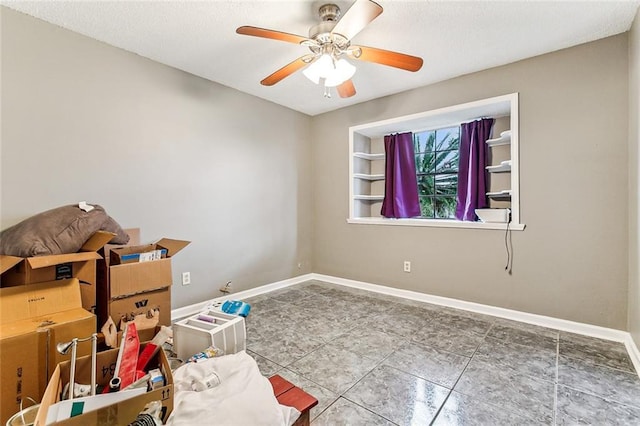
x=472, y=175
x=401, y=184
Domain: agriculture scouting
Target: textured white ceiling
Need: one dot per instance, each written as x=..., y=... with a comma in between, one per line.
x=453, y=38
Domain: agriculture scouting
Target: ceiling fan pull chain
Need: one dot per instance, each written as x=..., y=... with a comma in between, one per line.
x=325, y=90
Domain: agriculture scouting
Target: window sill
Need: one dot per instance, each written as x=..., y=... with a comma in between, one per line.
x=434, y=223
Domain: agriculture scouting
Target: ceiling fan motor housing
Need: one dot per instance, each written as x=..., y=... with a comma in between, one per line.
x=322, y=33
x=329, y=12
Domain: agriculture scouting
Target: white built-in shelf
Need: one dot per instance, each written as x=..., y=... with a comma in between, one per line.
x=368, y=177
x=500, y=195
x=504, y=139
x=369, y=156
x=369, y=197
x=503, y=167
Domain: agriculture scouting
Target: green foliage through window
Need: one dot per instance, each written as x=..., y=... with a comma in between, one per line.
x=437, y=156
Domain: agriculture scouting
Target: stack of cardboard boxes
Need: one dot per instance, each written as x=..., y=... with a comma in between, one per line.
x=136, y=280
x=41, y=304
x=46, y=300
x=34, y=319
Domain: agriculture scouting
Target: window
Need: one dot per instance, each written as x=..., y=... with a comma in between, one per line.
x=436, y=140
x=437, y=171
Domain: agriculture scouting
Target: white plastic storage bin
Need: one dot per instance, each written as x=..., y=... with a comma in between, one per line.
x=212, y=328
x=493, y=215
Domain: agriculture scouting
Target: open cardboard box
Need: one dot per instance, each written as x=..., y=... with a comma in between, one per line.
x=17, y=271
x=120, y=413
x=33, y=319
x=135, y=288
x=134, y=240
x=127, y=278
x=142, y=303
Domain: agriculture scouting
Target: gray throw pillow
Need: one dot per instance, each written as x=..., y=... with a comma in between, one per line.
x=58, y=231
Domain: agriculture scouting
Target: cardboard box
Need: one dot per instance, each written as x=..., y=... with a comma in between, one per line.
x=17, y=271
x=171, y=247
x=119, y=281
x=134, y=240
x=141, y=303
x=121, y=413
x=133, y=278
x=145, y=335
x=127, y=277
x=21, y=376
x=33, y=319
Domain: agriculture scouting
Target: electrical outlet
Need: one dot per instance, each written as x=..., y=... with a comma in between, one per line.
x=407, y=266
x=186, y=278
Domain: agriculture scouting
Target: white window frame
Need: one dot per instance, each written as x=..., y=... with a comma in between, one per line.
x=498, y=106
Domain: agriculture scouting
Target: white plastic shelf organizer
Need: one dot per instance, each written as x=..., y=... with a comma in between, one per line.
x=211, y=328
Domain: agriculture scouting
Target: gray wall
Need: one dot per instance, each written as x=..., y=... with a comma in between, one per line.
x=185, y=158
x=571, y=262
x=634, y=181
x=173, y=154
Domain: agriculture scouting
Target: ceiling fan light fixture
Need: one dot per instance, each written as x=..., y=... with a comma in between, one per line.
x=342, y=72
x=319, y=68
x=331, y=71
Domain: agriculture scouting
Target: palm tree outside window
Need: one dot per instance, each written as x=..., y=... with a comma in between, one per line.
x=437, y=157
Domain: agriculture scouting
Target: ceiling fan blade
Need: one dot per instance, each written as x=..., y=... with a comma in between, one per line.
x=361, y=13
x=272, y=34
x=346, y=89
x=386, y=57
x=285, y=71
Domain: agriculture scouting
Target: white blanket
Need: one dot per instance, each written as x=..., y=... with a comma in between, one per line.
x=243, y=396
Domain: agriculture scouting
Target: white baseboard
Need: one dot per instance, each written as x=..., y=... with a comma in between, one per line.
x=185, y=311
x=540, y=320
x=634, y=353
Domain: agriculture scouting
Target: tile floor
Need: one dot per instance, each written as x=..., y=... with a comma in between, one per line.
x=372, y=359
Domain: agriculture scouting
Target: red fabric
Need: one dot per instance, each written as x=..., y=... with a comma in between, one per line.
x=130, y=349
x=146, y=355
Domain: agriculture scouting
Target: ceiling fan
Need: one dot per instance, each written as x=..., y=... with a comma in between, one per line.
x=330, y=43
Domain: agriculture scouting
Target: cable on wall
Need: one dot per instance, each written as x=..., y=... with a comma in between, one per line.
x=508, y=244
